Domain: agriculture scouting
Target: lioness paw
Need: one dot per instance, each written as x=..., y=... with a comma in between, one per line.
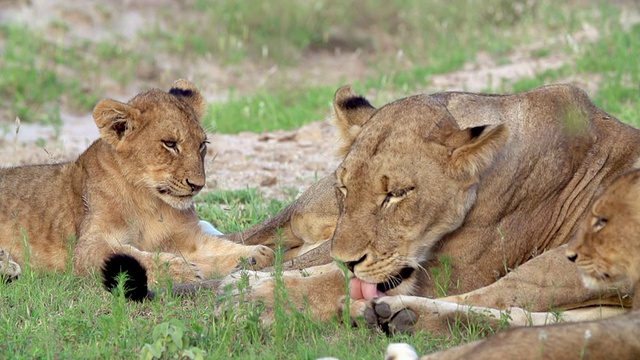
x=392, y=321
x=9, y=270
x=385, y=314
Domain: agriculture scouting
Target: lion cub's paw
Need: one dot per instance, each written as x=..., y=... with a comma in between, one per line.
x=260, y=257
x=9, y=270
x=176, y=268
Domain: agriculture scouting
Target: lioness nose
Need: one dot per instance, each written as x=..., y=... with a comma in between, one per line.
x=572, y=256
x=352, y=264
x=194, y=187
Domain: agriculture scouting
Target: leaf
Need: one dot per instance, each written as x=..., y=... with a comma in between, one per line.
x=160, y=331
x=152, y=351
x=176, y=337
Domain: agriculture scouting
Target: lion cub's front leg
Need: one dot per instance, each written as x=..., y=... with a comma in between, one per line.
x=216, y=256
x=164, y=265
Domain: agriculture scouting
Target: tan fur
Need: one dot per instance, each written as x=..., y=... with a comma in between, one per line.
x=130, y=192
x=606, y=250
x=496, y=183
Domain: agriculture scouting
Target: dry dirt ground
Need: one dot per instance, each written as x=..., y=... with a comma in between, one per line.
x=274, y=162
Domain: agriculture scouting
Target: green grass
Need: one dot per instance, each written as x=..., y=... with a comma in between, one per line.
x=427, y=32
x=266, y=111
x=403, y=43
x=38, y=77
x=614, y=57
x=428, y=39
x=611, y=59
x=51, y=316
x=64, y=316
x=28, y=87
x=235, y=210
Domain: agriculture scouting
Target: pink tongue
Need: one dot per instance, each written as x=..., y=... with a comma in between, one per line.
x=361, y=290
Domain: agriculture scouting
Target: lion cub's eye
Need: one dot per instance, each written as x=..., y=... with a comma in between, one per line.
x=598, y=223
x=170, y=144
x=396, y=195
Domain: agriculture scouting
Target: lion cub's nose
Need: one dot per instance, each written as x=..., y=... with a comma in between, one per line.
x=194, y=187
x=572, y=256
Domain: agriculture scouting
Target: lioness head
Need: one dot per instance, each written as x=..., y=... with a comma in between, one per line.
x=409, y=177
x=158, y=140
x=606, y=247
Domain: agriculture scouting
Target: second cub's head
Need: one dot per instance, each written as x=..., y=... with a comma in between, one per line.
x=606, y=247
x=158, y=140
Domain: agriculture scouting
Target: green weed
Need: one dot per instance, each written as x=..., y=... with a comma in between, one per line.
x=170, y=340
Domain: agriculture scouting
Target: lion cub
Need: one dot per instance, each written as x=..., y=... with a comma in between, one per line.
x=606, y=250
x=130, y=193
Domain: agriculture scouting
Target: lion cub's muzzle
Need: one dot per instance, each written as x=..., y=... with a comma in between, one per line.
x=187, y=189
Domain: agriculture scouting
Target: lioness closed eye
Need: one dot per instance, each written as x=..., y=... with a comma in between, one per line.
x=130, y=193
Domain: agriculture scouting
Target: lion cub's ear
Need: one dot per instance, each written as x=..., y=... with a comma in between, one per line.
x=190, y=94
x=351, y=112
x=114, y=119
x=475, y=149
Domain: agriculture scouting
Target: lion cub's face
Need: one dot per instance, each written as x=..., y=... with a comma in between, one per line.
x=158, y=141
x=409, y=178
x=606, y=248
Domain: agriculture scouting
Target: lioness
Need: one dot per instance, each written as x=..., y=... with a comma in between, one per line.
x=606, y=249
x=495, y=184
x=131, y=192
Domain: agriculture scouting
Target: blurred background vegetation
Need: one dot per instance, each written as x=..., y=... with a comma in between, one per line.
x=275, y=64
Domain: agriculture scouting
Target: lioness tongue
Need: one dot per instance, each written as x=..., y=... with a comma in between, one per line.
x=361, y=290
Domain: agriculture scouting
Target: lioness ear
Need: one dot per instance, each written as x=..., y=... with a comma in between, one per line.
x=189, y=93
x=114, y=119
x=475, y=149
x=351, y=112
